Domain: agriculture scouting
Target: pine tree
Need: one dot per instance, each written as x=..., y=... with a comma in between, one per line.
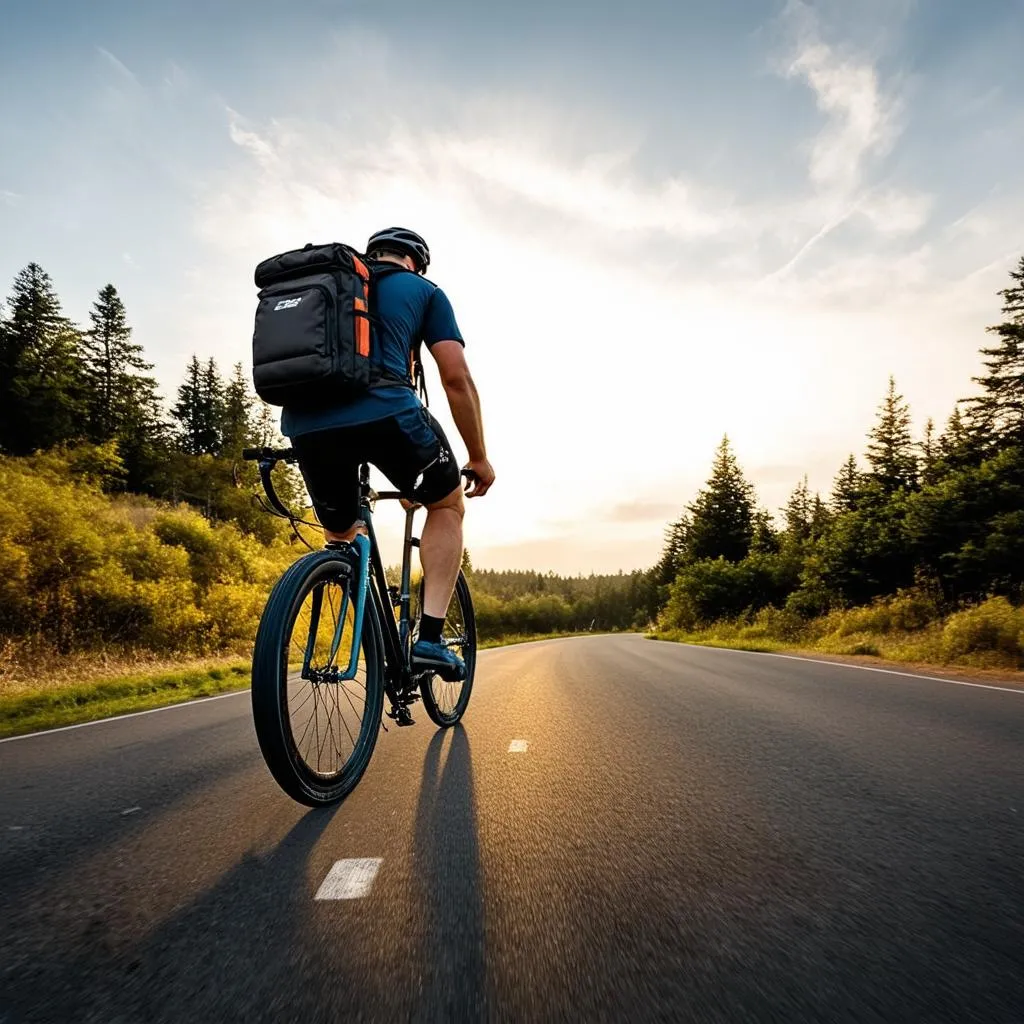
x=200, y=409
x=188, y=410
x=820, y=517
x=212, y=404
x=847, y=488
x=673, y=554
x=41, y=381
x=891, y=450
x=798, y=512
x=236, y=423
x=765, y=539
x=1001, y=407
x=122, y=397
x=964, y=444
x=929, y=448
x=722, y=515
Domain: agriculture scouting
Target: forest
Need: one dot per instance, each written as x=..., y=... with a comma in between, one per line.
x=128, y=526
x=917, y=552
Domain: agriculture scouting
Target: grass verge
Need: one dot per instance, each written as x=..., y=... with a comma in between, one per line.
x=857, y=654
x=85, y=702
x=525, y=638
x=34, y=710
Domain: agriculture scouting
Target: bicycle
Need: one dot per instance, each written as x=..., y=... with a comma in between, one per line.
x=307, y=649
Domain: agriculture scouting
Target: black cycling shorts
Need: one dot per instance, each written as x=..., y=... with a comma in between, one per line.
x=409, y=448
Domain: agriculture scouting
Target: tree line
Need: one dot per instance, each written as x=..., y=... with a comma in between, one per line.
x=62, y=384
x=80, y=407
x=942, y=513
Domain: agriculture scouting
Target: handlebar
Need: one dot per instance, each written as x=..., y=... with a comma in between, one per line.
x=269, y=455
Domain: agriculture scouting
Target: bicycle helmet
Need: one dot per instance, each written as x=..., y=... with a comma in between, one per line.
x=404, y=241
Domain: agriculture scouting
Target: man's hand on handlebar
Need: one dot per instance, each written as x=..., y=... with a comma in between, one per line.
x=479, y=474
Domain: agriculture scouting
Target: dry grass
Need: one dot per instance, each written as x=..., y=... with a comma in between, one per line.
x=28, y=668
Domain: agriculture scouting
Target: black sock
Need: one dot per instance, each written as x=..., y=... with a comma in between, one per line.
x=430, y=629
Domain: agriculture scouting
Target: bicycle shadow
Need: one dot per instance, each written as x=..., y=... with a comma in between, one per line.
x=230, y=954
x=446, y=866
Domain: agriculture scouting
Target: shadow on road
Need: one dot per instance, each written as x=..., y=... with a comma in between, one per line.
x=446, y=868
x=235, y=951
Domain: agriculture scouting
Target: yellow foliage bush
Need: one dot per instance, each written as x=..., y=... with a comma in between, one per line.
x=986, y=634
x=80, y=571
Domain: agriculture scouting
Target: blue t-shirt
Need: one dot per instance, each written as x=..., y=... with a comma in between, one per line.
x=410, y=309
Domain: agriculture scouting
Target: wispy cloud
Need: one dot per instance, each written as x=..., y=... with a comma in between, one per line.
x=862, y=124
x=861, y=120
x=118, y=65
x=9, y=198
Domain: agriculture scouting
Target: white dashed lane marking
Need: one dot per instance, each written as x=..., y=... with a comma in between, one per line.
x=349, y=879
x=130, y=810
x=518, y=747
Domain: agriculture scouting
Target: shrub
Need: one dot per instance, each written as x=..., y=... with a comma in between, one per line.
x=989, y=633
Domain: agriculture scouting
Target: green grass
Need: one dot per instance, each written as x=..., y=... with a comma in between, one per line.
x=35, y=710
x=525, y=638
x=86, y=702
x=762, y=646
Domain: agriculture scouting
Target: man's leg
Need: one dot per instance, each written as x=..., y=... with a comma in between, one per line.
x=332, y=480
x=441, y=552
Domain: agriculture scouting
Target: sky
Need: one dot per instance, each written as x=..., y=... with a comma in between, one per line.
x=657, y=226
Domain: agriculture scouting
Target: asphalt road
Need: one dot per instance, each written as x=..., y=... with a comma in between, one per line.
x=690, y=834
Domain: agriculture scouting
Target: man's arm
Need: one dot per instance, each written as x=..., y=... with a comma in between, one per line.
x=464, y=403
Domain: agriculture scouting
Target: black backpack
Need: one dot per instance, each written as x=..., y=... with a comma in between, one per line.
x=312, y=339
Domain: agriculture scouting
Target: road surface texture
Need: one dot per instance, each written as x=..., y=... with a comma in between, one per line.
x=689, y=835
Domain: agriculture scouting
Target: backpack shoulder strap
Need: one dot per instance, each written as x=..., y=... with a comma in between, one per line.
x=379, y=270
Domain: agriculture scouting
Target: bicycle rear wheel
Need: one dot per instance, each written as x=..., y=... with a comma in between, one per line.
x=446, y=702
x=316, y=731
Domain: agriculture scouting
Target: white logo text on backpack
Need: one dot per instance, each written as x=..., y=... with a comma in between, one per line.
x=287, y=303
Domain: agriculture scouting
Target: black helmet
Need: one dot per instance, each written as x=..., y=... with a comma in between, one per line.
x=404, y=241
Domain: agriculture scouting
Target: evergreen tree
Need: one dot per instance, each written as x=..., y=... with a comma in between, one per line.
x=891, y=449
x=722, y=516
x=200, y=409
x=847, y=488
x=188, y=410
x=674, y=553
x=122, y=399
x=236, y=423
x=765, y=540
x=821, y=518
x=1001, y=406
x=929, y=448
x=213, y=407
x=964, y=444
x=798, y=512
x=41, y=380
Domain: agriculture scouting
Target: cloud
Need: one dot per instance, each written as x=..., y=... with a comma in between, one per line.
x=249, y=140
x=117, y=65
x=9, y=198
x=861, y=121
x=896, y=212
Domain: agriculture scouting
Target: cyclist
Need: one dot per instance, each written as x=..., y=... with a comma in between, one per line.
x=389, y=427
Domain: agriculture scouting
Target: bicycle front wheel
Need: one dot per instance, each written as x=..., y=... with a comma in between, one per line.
x=316, y=730
x=446, y=702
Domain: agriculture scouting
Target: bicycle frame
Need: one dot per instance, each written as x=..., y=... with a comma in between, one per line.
x=396, y=634
x=398, y=675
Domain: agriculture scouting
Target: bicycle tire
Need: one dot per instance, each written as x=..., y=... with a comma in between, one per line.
x=271, y=683
x=444, y=707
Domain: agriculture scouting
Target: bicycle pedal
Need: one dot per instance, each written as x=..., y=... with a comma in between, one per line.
x=402, y=716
